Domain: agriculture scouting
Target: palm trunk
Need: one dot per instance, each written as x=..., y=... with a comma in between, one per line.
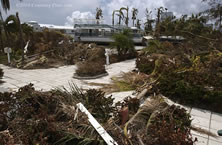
x=113, y=18
x=120, y=20
x=21, y=37
x=127, y=17
x=1, y=39
x=157, y=31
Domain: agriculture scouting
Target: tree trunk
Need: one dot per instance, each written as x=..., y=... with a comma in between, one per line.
x=1, y=39
x=120, y=20
x=157, y=31
x=21, y=37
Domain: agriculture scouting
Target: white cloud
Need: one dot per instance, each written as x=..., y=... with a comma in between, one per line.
x=76, y=15
x=69, y=9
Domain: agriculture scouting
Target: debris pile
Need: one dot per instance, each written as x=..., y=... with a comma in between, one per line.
x=190, y=77
x=32, y=117
x=92, y=63
x=57, y=50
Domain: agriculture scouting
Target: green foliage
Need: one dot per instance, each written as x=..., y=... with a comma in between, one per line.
x=28, y=30
x=154, y=46
x=11, y=24
x=123, y=42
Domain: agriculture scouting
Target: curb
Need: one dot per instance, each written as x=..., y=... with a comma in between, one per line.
x=75, y=76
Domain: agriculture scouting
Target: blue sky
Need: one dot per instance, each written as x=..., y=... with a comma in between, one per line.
x=61, y=12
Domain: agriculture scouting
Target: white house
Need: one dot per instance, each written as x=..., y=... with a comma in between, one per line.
x=40, y=27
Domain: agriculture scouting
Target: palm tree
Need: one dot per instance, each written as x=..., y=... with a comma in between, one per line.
x=127, y=14
x=12, y=24
x=5, y=4
x=138, y=25
x=134, y=14
x=121, y=16
x=113, y=15
x=160, y=10
x=1, y=30
x=99, y=14
x=149, y=21
x=21, y=36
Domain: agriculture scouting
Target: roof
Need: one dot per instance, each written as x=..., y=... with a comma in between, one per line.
x=51, y=26
x=94, y=26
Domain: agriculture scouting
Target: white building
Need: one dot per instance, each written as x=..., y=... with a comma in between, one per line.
x=40, y=27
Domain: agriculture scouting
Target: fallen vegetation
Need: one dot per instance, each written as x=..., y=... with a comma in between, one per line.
x=93, y=64
x=185, y=73
x=33, y=117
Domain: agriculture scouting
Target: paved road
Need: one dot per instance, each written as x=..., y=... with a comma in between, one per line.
x=46, y=79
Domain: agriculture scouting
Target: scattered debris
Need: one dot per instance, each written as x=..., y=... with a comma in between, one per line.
x=32, y=117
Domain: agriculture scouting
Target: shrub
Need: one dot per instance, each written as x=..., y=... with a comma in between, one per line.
x=90, y=68
x=124, y=43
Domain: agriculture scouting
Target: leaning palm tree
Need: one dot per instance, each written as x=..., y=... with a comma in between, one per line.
x=134, y=14
x=5, y=4
x=12, y=24
x=99, y=14
x=127, y=15
x=113, y=15
x=121, y=16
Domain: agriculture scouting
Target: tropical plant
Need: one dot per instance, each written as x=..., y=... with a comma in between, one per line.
x=113, y=16
x=11, y=24
x=123, y=42
x=149, y=21
x=5, y=4
x=99, y=14
x=20, y=36
x=121, y=16
x=1, y=32
x=134, y=15
x=127, y=14
x=160, y=10
x=215, y=11
x=138, y=24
